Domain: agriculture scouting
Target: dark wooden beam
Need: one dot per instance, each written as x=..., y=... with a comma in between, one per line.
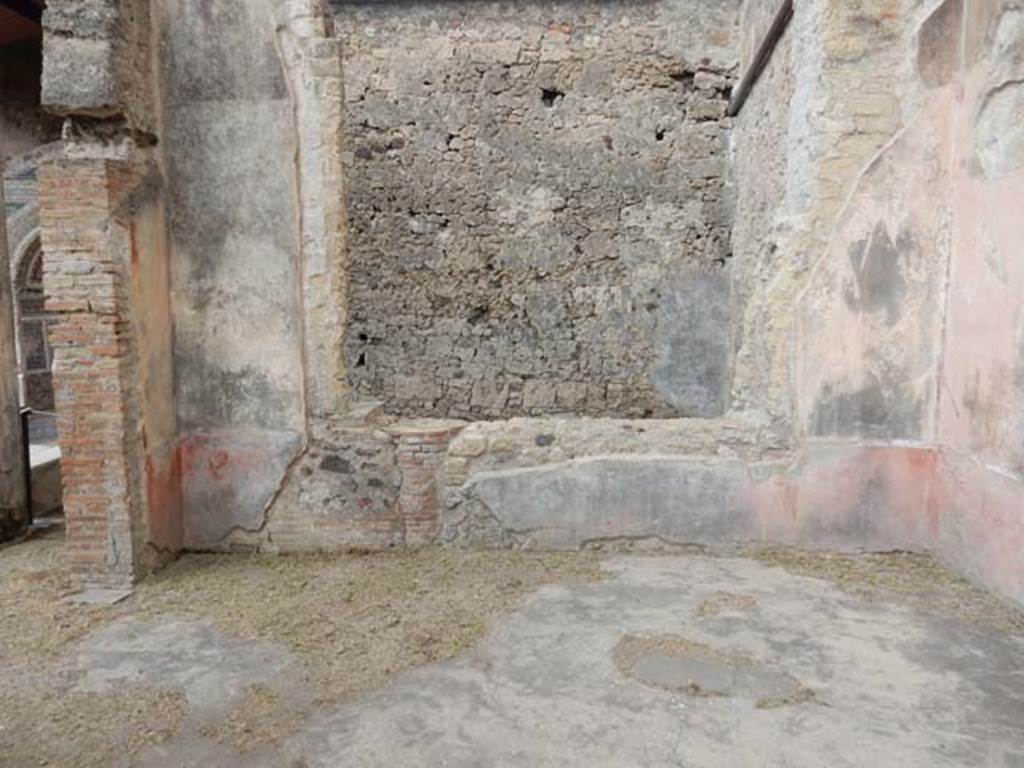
x=761, y=59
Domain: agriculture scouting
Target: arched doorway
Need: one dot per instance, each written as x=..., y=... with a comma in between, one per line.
x=35, y=353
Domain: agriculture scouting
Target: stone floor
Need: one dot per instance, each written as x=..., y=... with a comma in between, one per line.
x=682, y=660
x=743, y=664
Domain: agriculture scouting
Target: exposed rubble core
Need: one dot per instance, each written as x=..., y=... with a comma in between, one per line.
x=539, y=221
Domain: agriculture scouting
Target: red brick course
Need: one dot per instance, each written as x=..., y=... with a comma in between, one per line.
x=87, y=279
x=420, y=455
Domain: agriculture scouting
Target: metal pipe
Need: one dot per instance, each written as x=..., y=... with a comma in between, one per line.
x=26, y=452
x=764, y=55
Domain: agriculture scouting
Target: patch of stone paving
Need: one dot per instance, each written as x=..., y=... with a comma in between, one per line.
x=891, y=685
x=634, y=670
x=213, y=670
x=675, y=663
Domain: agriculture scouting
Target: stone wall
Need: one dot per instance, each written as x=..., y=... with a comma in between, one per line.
x=875, y=168
x=228, y=148
x=539, y=221
x=252, y=149
x=980, y=421
x=526, y=199
x=904, y=316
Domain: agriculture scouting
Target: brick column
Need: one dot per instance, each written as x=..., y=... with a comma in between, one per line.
x=88, y=253
x=420, y=456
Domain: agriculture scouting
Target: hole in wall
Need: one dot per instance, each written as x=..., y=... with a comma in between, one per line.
x=685, y=78
x=659, y=134
x=551, y=96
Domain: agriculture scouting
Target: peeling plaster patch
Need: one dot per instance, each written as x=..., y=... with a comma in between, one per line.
x=693, y=345
x=228, y=478
x=938, y=46
x=568, y=504
x=1007, y=46
x=241, y=396
x=881, y=409
x=998, y=139
x=876, y=266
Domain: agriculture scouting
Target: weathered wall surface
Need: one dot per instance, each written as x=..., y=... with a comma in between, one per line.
x=981, y=397
x=764, y=169
x=832, y=96
x=538, y=213
x=870, y=319
x=228, y=146
x=880, y=326
x=909, y=328
x=983, y=371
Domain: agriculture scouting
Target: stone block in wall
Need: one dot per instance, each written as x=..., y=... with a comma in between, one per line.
x=97, y=60
x=79, y=77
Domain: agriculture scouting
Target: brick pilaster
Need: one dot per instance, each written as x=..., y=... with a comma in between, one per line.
x=420, y=456
x=87, y=277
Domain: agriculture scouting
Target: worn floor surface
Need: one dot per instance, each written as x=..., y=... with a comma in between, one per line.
x=778, y=658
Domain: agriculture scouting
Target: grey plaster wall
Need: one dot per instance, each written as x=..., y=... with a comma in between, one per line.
x=229, y=149
x=538, y=220
x=227, y=138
